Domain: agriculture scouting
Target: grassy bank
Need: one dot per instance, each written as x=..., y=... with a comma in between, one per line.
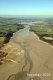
x=44, y=31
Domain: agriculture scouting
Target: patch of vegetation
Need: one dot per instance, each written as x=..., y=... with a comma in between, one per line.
x=1, y=41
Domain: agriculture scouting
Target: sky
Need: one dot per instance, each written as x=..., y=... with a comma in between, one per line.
x=26, y=7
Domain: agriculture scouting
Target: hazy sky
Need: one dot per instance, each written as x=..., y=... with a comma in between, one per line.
x=26, y=7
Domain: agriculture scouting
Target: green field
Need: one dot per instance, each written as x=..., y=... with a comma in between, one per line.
x=44, y=31
x=5, y=29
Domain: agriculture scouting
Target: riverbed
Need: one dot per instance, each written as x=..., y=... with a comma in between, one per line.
x=27, y=55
